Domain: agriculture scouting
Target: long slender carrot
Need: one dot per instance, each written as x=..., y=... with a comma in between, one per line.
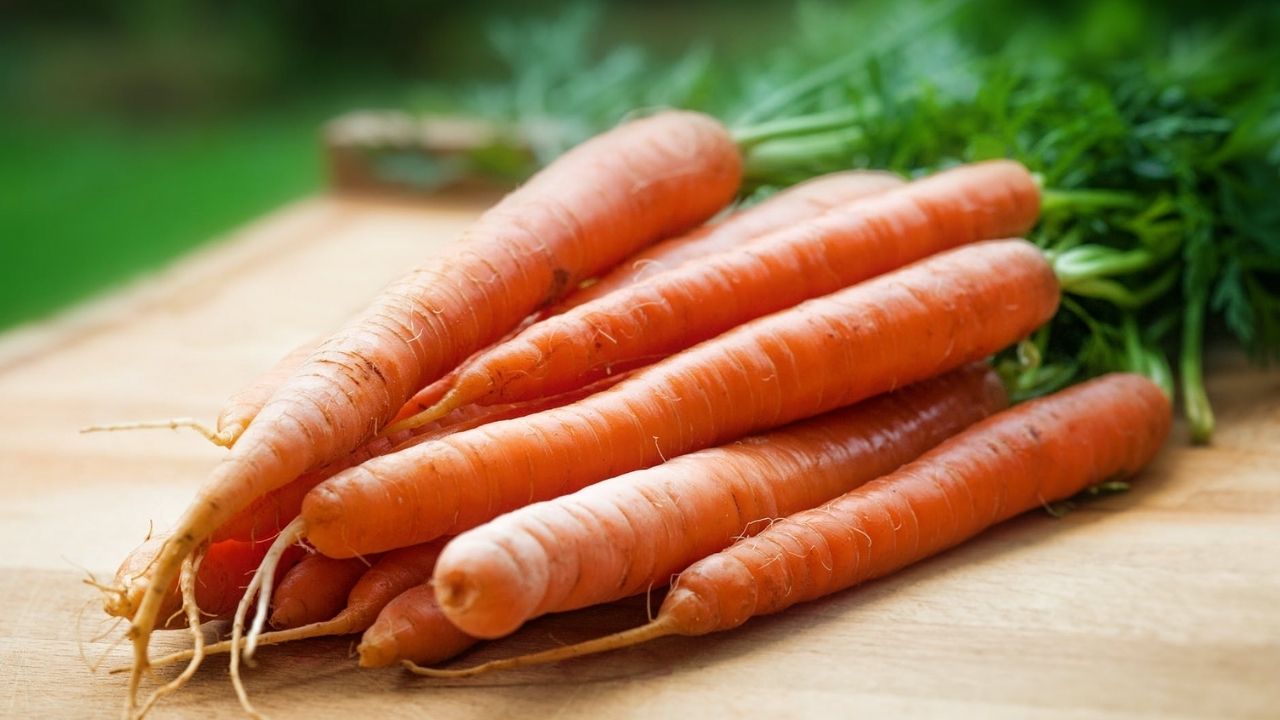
x=795, y=204
x=681, y=307
x=270, y=512
x=391, y=575
x=314, y=590
x=412, y=627
x=1035, y=453
x=906, y=326
x=635, y=531
x=594, y=206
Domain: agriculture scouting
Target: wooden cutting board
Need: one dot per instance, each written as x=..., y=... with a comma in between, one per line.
x=1164, y=602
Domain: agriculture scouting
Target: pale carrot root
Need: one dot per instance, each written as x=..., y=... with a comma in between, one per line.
x=260, y=584
x=660, y=627
x=221, y=438
x=187, y=584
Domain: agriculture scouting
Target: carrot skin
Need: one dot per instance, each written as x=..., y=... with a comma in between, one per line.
x=1038, y=452
x=549, y=557
x=271, y=512
x=912, y=324
x=795, y=204
x=412, y=627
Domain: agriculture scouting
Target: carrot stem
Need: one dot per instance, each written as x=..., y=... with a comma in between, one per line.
x=1195, y=400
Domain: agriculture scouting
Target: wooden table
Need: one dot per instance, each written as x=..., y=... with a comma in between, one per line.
x=1164, y=602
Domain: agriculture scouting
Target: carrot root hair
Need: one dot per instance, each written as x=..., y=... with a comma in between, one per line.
x=221, y=438
x=187, y=586
x=261, y=584
x=336, y=626
x=661, y=627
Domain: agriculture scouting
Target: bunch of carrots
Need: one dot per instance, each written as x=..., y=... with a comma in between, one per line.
x=611, y=380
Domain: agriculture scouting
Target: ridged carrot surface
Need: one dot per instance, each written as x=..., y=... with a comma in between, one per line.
x=906, y=326
x=679, y=308
x=633, y=532
x=1036, y=453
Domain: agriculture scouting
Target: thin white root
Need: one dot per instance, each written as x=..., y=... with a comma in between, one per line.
x=340, y=625
x=221, y=439
x=262, y=581
x=187, y=585
x=661, y=627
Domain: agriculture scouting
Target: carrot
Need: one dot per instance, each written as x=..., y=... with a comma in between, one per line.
x=1038, y=452
x=635, y=531
x=412, y=627
x=681, y=307
x=906, y=326
x=796, y=204
x=595, y=205
x=270, y=512
x=314, y=590
x=391, y=575
x=237, y=411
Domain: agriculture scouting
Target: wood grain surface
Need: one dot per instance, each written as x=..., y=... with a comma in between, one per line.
x=1163, y=602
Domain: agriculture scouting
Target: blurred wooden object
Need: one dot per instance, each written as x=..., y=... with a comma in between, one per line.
x=392, y=152
x=1161, y=602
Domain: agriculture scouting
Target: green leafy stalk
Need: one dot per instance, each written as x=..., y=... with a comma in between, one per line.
x=1191, y=367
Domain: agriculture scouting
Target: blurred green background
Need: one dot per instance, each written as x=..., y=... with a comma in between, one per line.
x=133, y=131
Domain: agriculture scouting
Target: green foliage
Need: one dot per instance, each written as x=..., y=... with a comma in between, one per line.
x=1157, y=138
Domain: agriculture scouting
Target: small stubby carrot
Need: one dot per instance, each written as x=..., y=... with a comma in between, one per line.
x=271, y=512
x=678, y=308
x=314, y=590
x=905, y=326
x=391, y=575
x=793, y=205
x=1035, y=453
x=633, y=532
x=595, y=205
x=412, y=627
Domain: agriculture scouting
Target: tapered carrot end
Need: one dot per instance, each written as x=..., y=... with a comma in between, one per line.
x=447, y=404
x=661, y=627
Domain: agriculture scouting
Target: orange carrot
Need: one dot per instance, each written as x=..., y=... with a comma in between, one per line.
x=681, y=307
x=314, y=590
x=271, y=512
x=796, y=204
x=591, y=208
x=906, y=326
x=614, y=539
x=1041, y=451
x=392, y=574
x=412, y=627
